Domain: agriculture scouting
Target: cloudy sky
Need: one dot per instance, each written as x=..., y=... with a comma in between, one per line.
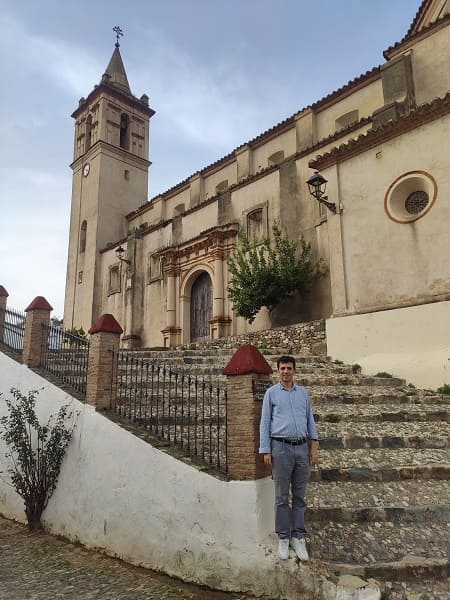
x=217, y=72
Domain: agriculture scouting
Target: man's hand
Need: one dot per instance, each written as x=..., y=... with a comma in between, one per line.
x=314, y=454
x=267, y=459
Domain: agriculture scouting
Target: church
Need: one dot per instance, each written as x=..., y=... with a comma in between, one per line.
x=381, y=146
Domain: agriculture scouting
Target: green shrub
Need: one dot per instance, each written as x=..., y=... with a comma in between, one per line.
x=444, y=389
x=384, y=374
x=35, y=451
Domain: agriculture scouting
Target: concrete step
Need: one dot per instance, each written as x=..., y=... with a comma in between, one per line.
x=377, y=495
x=374, y=413
x=407, y=429
x=382, y=549
x=372, y=395
x=378, y=458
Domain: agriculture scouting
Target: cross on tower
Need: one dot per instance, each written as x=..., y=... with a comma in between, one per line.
x=119, y=34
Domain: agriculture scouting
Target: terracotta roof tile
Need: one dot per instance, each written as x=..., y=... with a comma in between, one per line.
x=411, y=35
x=424, y=113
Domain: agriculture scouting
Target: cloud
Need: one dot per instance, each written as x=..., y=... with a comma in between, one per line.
x=67, y=66
x=208, y=103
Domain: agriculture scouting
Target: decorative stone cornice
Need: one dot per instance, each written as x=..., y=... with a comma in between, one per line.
x=208, y=239
x=423, y=114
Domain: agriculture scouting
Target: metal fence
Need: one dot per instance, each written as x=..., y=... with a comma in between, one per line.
x=182, y=409
x=12, y=329
x=65, y=356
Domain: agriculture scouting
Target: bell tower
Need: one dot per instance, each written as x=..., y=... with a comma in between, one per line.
x=110, y=180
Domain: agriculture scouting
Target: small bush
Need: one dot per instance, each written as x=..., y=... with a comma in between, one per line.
x=356, y=368
x=384, y=374
x=35, y=451
x=444, y=389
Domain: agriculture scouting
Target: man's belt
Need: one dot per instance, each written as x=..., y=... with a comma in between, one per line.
x=297, y=442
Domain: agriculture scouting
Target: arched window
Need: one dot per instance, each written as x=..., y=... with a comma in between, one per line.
x=222, y=186
x=124, y=131
x=83, y=232
x=255, y=225
x=347, y=119
x=88, y=132
x=275, y=158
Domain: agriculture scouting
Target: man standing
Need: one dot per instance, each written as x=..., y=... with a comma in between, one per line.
x=289, y=442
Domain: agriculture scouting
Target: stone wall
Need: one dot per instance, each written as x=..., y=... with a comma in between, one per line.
x=303, y=338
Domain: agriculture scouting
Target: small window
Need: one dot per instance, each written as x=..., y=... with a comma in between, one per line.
x=155, y=267
x=178, y=210
x=80, y=276
x=347, y=119
x=275, y=158
x=88, y=133
x=126, y=175
x=255, y=224
x=114, y=280
x=124, y=131
x=222, y=186
x=83, y=232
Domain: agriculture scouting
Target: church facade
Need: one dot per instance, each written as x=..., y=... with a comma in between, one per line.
x=382, y=142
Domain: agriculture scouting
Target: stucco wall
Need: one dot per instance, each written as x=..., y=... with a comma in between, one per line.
x=412, y=342
x=388, y=263
x=118, y=493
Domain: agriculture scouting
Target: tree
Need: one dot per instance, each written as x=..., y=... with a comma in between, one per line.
x=264, y=272
x=35, y=451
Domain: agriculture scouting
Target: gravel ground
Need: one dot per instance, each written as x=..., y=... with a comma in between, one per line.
x=42, y=567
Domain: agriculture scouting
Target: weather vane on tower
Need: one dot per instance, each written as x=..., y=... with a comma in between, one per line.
x=119, y=34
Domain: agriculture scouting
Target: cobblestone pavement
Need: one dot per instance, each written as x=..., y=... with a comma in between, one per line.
x=40, y=566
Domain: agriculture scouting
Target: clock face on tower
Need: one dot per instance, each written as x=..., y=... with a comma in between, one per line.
x=86, y=169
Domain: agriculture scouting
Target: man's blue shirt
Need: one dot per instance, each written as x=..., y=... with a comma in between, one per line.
x=285, y=414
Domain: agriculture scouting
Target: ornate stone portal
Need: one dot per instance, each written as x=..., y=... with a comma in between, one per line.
x=196, y=274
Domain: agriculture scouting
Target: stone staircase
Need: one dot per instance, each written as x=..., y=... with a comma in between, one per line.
x=379, y=500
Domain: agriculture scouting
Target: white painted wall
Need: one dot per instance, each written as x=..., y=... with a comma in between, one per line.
x=120, y=494
x=413, y=342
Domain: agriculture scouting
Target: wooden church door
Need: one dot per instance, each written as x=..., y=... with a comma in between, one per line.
x=201, y=307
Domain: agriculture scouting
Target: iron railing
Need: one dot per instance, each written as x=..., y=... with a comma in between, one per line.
x=12, y=329
x=65, y=356
x=185, y=410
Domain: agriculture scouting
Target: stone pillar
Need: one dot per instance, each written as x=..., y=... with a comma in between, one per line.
x=219, y=324
x=244, y=414
x=244, y=159
x=171, y=332
x=305, y=129
x=3, y=301
x=102, y=364
x=38, y=313
x=196, y=189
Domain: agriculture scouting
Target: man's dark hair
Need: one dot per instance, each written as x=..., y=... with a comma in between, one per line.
x=285, y=359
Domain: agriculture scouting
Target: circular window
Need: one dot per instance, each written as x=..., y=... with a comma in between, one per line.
x=410, y=196
x=416, y=202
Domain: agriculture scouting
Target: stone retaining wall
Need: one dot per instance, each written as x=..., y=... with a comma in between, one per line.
x=303, y=338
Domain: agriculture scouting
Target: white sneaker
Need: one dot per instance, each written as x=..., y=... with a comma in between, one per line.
x=300, y=548
x=283, y=549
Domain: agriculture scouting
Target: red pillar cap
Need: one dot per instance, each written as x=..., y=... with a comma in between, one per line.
x=247, y=359
x=39, y=303
x=3, y=292
x=106, y=323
